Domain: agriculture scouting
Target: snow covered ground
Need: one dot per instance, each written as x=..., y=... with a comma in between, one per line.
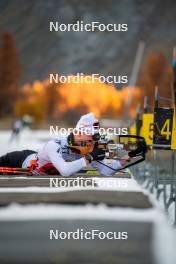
x=27, y=140
x=164, y=237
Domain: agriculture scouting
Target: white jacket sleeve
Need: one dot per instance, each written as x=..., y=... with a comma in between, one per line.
x=65, y=168
x=115, y=164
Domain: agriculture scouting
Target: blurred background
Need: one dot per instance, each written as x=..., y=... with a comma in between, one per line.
x=29, y=52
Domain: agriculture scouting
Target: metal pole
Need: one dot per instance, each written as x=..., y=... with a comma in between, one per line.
x=164, y=194
x=146, y=104
x=134, y=75
x=138, y=120
x=156, y=97
x=174, y=105
x=155, y=180
x=174, y=77
x=172, y=183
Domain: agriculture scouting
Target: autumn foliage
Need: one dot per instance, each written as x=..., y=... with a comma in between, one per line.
x=39, y=100
x=156, y=71
x=10, y=72
x=69, y=100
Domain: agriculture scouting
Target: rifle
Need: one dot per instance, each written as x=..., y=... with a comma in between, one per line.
x=134, y=146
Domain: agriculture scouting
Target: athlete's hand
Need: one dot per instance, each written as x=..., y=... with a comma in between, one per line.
x=98, y=153
x=141, y=149
x=124, y=160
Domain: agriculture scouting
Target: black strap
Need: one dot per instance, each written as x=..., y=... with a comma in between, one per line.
x=70, y=139
x=127, y=166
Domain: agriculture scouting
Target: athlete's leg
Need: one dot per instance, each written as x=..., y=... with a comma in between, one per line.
x=15, y=159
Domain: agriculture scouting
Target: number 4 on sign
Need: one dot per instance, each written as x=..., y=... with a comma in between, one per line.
x=165, y=131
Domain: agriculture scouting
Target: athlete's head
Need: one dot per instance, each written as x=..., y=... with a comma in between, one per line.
x=87, y=129
x=86, y=132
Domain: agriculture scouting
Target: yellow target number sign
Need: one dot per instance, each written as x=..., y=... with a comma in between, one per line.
x=163, y=119
x=147, y=129
x=173, y=140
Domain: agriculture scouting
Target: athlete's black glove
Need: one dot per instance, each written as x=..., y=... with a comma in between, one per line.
x=141, y=150
x=98, y=153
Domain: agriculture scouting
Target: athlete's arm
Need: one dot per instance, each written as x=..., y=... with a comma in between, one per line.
x=65, y=168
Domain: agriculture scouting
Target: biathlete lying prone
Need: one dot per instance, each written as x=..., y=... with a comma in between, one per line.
x=67, y=154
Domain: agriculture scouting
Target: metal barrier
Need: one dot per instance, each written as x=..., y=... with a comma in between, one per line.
x=158, y=175
x=158, y=126
x=158, y=172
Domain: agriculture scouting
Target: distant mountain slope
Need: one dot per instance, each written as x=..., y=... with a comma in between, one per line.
x=43, y=52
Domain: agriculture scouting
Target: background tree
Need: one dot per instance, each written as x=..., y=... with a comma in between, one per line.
x=156, y=71
x=10, y=72
x=52, y=100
